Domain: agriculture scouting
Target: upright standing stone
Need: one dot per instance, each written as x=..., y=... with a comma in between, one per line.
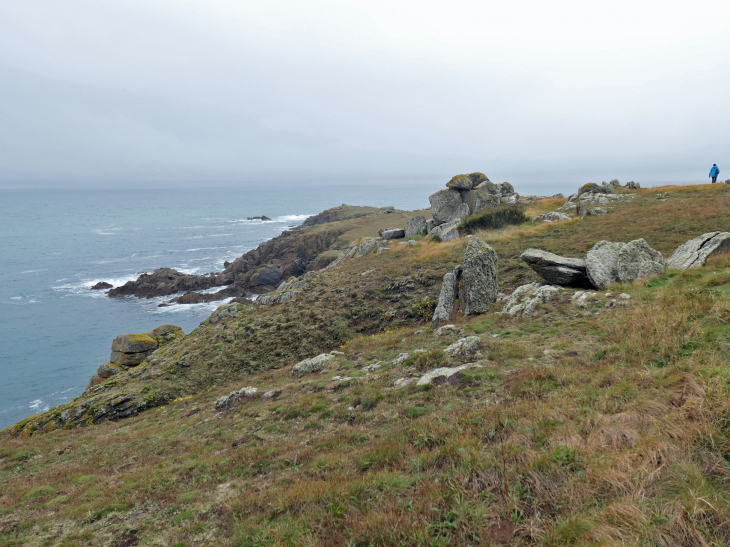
x=445, y=305
x=415, y=226
x=479, y=278
x=445, y=205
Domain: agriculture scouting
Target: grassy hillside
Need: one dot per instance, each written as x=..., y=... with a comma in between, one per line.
x=581, y=426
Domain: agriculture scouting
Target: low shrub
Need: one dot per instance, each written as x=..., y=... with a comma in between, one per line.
x=493, y=219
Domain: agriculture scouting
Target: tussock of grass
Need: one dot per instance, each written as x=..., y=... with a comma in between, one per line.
x=493, y=219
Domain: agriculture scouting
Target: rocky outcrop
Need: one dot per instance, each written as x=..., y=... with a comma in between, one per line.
x=286, y=292
x=463, y=347
x=525, y=300
x=469, y=194
x=262, y=217
x=631, y=185
x=132, y=349
x=315, y=364
x=415, y=226
x=358, y=248
x=226, y=311
x=446, y=205
x=447, y=298
x=345, y=212
x=602, y=263
x=636, y=260
x=695, y=252
x=102, y=285
x=449, y=375
x=592, y=187
x=550, y=217
x=166, y=281
x=234, y=398
x=557, y=270
x=479, y=288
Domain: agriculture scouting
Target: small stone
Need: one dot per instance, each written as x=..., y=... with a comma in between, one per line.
x=463, y=346
x=400, y=359
x=401, y=382
x=624, y=296
x=311, y=365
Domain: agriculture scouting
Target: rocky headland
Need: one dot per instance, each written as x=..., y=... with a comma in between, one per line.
x=497, y=369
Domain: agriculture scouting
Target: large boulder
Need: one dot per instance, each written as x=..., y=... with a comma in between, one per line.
x=637, y=260
x=392, y=233
x=554, y=216
x=447, y=297
x=695, y=252
x=133, y=343
x=602, y=263
x=524, y=301
x=479, y=286
x=415, y=226
x=466, y=182
x=128, y=359
x=556, y=269
x=483, y=197
x=448, y=231
x=445, y=205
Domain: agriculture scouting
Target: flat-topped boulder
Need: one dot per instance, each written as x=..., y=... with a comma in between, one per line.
x=134, y=343
x=556, y=269
x=636, y=260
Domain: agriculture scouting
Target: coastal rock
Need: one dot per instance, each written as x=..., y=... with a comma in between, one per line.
x=479, y=286
x=550, y=217
x=128, y=359
x=557, y=270
x=602, y=263
x=460, y=182
x=637, y=260
x=631, y=185
x=134, y=343
x=446, y=205
x=447, y=232
x=107, y=370
x=432, y=223
x=582, y=210
x=415, y=226
x=463, y=347
x=223, y=312
x=266, y=275
x=447, y=297
x=262, y=217
x=392, y=233
x=235, y=397
x=314, y=364
x=695, y=252
x=102, y=285
x=524, y=301
x=165, y=281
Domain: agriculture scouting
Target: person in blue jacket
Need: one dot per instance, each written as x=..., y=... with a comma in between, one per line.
x=714, y=172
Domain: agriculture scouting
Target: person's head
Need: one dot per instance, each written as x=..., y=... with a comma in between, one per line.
x=714, y=165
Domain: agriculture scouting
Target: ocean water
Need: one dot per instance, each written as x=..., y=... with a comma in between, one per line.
x=54, y=245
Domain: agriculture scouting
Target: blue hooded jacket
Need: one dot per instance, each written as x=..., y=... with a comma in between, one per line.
x=714, y=171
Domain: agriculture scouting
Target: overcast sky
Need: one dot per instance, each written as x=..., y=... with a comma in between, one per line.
x=132, y=92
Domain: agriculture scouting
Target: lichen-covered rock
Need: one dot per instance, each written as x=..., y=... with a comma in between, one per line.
x=633, y=185
x=695, y=252
x=483, y=197
x=479, y=286
x=595, y=188
x=602, y=263
x=128, y=359
x=134, y=343
x=460, y=182
x=524, y=301
x=556, y=269
x=233, y=398
x=432, y=223
x=314, y=364
x=550, y=217
x=107, y=370
x=165, y=333
x=637, y=260
x=447, y=297
x=400, y=359
x=414, y=227
x=448, y=372
x=446, y=205
x=463, y=346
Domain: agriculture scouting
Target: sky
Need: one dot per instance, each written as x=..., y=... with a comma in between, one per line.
x=138, y=93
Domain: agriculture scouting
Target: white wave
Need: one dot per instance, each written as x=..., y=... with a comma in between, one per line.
x=38, y=405
x=16, y=298
x=33, y=302
x=194, y=237
x=219, y=235
x=191, y=308
x=34, y=271
x=292, y=218
x=84, y=285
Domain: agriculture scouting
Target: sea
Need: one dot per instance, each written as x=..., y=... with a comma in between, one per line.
x=56, y=244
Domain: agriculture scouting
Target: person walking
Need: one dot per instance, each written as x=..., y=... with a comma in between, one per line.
x=714, y=172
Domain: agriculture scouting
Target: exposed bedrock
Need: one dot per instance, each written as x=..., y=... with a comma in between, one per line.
x=258, y=271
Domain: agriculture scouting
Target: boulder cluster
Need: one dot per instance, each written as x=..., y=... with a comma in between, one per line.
x=467, y=195
x=474, y=283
